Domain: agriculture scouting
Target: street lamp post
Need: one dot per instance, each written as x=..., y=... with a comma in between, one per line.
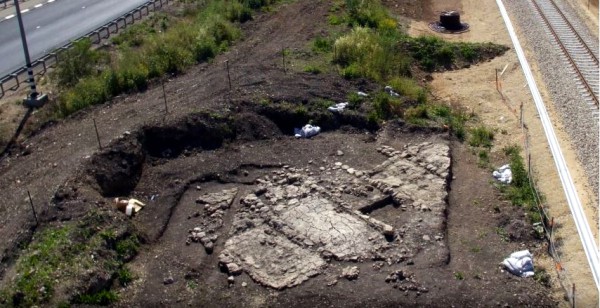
x=34, y=99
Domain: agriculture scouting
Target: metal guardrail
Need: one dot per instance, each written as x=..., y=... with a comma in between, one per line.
x=13, y=81
x=4, y=4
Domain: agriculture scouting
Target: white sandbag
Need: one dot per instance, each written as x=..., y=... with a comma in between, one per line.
x=338, y=108
x=503, y=174
x=521, y=254
x=520, y=263
x=390, y=91
x=306, y=131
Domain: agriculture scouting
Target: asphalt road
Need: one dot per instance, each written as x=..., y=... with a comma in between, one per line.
x=52, y=25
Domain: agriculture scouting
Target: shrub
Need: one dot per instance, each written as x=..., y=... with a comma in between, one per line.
x=312, y=69
x=355, y=46
x=542, y=277
x=75, y=63
x=236, y=11
x=257, y=4
x=127, y=248
x=366, y=13
x=432, y=52
x=409, y=88
x=103, y=298
x=467, y=52
x=521, y=192
x=484, y=158
x=89, y=91
x=386, y=107
x=223, y=31
x=481, y=137
x=372, y=54
x=354, y=100
x=321, y=44
x=352, y=71
x=205, y=48
x=134, y=35
x=124, y=276
x=134, y=77
x=459, y=276
x=335, y=20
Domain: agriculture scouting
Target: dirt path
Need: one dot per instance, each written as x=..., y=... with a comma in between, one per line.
x=487, y=25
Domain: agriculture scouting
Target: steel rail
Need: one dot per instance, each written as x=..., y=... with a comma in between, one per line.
x=581, y=223
x=565, y=50
x=579, y=38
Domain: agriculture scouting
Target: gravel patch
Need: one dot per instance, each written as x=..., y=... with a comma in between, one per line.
x=579, y=119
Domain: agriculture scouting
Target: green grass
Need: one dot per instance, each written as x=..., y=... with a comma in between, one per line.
x=483, y=158
x=322, y=44
x=503, y=234
x=76, y=62
x=160, y=45
x=124, y=276
x=312, y=69
x=541, y=276
x=355, y=101
x=69, y=253
x=52, y=252
x=102, y=298
x=408, y=88
x=433, y=53
x=459, y=276
x=481, y=136
x=521, y=192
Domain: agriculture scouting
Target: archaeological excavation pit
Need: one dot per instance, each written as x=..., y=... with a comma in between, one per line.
x=294, y=220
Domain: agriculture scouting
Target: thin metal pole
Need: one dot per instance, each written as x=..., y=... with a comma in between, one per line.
x=497, y=88
x=97, y=135
x=522, y=122
x=228, y=75
x=573, y=294
x=165, y=96
x=551, y=228
x=283, y=57
x=33, y=92
x=32, y=208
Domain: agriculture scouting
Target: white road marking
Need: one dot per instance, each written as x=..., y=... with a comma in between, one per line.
x=24, y=11
x=50, y=1
x=83, y=7
x=38, y=5
x=38, y=27
x=9, y=16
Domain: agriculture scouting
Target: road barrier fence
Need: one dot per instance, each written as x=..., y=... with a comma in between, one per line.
x=13, y=81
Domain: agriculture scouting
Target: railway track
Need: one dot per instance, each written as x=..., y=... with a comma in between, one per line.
x=581, y=58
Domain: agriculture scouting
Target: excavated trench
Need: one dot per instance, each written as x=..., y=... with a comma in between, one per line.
x=117, y=170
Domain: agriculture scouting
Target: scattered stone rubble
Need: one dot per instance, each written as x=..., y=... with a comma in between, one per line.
x=405, y=281
x=214, y=205
x=298, y=219
x=350, y=273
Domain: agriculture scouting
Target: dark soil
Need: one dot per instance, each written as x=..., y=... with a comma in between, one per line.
x=214, y=138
